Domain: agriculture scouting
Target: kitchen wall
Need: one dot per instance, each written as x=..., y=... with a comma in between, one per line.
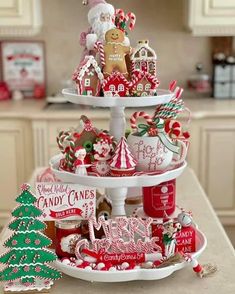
x=161, y=21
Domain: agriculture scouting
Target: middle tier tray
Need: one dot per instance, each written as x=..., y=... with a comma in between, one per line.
x=142, y=180
x=163, y=96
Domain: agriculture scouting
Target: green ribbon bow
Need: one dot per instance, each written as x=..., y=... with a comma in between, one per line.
x=159, y=124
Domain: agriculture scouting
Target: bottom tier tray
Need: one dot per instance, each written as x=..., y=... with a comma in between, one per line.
x=131, y=275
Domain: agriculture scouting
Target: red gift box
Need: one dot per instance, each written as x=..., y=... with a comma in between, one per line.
x=186, y=238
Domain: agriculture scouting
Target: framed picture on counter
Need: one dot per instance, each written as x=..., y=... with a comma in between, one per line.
x=23, y=67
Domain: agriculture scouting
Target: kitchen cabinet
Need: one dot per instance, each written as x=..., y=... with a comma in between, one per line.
x=211, y=17
x=16, y=161
x=20, y=18
x=212, y=156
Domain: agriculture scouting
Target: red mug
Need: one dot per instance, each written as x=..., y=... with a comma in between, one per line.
x=159, y=201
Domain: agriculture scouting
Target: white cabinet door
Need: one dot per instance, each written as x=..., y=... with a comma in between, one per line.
x=217, y=167
x=20, y=17
x=16, y=162
x=211, y=17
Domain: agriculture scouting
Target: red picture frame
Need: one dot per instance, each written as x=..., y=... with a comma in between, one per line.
x=23, y=67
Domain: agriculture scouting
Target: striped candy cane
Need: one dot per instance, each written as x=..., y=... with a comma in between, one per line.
x=137, y=115
x=99, y=47
x=173, y=128
x=132, y=18
x=63, y=138
x=120, y=13
x=67, y=146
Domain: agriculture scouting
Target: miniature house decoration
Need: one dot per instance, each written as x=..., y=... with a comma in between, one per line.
x=116, y=85
x=88, y=77
x=143, y=84
x=144, y=58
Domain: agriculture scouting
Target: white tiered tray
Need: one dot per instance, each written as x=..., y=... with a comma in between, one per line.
x=131, y=275
x=114, y=182
x=163, y=96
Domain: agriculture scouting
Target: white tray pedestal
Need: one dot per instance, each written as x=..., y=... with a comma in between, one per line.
x=117, y=129
x=117, y=122
x=118, y=197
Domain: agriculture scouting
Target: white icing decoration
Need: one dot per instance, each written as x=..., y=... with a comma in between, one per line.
x=102, y=199
x=145, y=46
x=89, y=60
x=17, y=286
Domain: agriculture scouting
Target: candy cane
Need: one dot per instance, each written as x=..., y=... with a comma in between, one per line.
x=100, y=48
x=137, y=115
x=120, y=13
x=66, y=137
x=132, y=17
x=63, y=136
x=85, y=205
x=173, y=128
x=172, y=85
x=92, y=210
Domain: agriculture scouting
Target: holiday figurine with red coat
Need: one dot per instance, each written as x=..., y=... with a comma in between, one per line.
x=80, y=164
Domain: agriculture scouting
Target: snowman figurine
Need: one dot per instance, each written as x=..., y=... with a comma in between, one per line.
x=79, y=164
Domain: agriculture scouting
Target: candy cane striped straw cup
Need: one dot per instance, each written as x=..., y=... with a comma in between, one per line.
x=154, y=153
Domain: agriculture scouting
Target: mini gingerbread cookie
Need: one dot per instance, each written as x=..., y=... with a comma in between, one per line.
x=115, y=52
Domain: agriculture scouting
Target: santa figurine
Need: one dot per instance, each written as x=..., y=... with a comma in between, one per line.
x=101, y=19
x=80, y=164
x=103, y=149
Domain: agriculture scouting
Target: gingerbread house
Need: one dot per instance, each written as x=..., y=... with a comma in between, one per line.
x=143, y=84
x=144, y=58
x=116, y=85
x=88, y=77
x=88, y=135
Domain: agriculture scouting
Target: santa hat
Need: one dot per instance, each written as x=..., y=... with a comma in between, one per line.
x=79, y=149
x=166, y=220
x=97, y=7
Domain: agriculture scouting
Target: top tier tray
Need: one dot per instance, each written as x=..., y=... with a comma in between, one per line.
x=163, y=96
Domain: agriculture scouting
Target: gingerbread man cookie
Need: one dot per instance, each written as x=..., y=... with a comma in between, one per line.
x=115, y=52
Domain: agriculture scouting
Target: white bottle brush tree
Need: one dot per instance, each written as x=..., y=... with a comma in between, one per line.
x=27, y=257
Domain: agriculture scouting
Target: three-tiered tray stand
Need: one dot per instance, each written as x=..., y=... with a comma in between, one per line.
x=117, y=188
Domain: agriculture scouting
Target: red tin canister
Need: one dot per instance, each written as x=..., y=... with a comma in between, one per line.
x=159, y=200
x=68, y=233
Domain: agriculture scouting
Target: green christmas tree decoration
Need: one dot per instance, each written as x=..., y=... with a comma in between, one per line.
x=27, y=258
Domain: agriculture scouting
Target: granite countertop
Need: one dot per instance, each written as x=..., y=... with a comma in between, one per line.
x=37, y=109
x=219, y=251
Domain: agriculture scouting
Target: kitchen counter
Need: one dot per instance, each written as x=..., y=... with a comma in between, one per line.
x=219, y=251
x=37, y=109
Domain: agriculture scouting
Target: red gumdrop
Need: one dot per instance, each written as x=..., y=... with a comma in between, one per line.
x=186, y=135
x=132, y=265
x=157, y=263
x=108, y=265
x=104, y=269
x=84, y=264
